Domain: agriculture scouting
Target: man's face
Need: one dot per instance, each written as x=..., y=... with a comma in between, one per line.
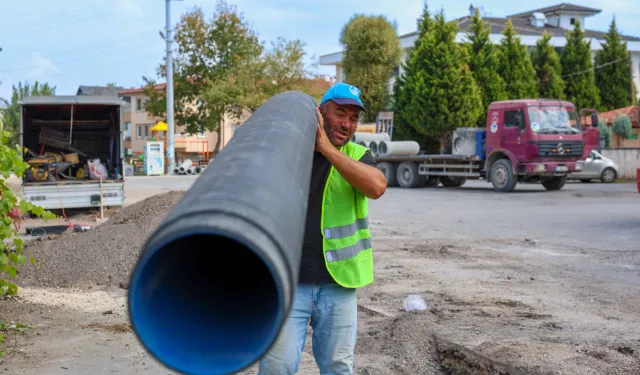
x=340, y=122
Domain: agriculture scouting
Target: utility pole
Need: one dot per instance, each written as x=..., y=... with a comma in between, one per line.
x=171, y=162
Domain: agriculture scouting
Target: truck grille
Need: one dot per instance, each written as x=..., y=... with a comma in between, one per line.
x=560, y=148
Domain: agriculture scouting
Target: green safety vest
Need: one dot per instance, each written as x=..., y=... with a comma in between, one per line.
x=345, y=228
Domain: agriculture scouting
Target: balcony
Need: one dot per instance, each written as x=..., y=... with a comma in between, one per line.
x=191, y=143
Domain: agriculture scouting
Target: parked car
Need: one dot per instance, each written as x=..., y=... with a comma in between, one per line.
x=597, y=167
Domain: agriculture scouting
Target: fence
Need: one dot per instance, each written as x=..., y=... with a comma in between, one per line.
x=628, y=159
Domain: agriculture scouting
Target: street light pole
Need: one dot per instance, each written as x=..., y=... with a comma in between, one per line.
x=171, y=163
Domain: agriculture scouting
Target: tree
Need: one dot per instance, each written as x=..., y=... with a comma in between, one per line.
x=371, y=52
x=577, y=68
x=622, y=126
x=483, y=63
x=604, y=131
x=546, y=63
x=401, y=128
x=281, y=68
x=614, y=80
x=213, y=68
x=11, y=114
x=221, y=68
x=515, y=66
x=439, y=93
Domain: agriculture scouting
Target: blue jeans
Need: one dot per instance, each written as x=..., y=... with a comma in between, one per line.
x=332, y=312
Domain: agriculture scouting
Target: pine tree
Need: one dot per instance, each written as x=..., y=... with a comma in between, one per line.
x=401, y=128
x=577, y=68
x=604, y=132
x=546, y=63
x=483, y=63
x=515, y=66
x=439, y=92
x=614, y=80
x=622, y=126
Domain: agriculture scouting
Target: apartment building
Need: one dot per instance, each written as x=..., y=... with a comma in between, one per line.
x=138, y=126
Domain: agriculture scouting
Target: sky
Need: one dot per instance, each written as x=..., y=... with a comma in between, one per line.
x=68, y=43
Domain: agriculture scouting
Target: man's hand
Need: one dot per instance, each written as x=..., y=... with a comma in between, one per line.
x=322, y=141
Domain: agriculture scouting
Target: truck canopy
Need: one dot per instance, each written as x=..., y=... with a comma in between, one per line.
x=70, y=100
x=75, y=130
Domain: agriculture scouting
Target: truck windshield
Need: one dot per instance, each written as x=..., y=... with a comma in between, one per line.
x=553, y=120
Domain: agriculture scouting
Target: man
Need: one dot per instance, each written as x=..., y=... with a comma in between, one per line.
x=336, y=256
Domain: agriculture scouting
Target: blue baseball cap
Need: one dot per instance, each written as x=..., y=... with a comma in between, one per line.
x=343, y=94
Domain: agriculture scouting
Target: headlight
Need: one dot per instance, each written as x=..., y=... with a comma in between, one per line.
x=540, y=168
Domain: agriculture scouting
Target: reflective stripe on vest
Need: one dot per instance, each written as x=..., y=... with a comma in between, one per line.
x=349, y=251
x=346, y=230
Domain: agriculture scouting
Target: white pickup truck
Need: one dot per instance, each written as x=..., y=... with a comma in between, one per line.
x=61, y=136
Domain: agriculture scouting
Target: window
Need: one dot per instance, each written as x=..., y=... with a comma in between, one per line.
x=513, y=119
x=127, y=126
x=138, y=104
x=573, y=21
x=146, y=131
x=201, y=132
x=139, y=135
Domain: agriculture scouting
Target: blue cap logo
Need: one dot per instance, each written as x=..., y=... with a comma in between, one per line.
x=343, y=94
x=354, y=90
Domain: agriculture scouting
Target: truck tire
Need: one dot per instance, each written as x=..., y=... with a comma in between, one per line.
x=407, y=175
x=502, y=177
x=452, y=181
x=431, y=181
x=389, y=172
x=555, y=183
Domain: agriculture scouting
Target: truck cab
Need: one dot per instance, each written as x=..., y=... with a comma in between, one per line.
x=534, y=140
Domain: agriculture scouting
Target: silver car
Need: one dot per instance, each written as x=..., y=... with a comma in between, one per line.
x=597, y=167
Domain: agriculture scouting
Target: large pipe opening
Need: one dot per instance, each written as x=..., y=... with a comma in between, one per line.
x=206, y=304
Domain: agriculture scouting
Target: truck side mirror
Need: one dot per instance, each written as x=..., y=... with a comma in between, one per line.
x=594, y=120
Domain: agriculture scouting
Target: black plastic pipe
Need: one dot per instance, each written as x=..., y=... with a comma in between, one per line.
x=214, y=283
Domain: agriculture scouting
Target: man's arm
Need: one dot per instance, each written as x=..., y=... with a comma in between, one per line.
x=365, y=178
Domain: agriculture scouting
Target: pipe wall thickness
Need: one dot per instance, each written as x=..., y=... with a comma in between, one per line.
x=214, y=283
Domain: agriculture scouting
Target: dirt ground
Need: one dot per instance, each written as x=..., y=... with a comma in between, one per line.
x=506, y=294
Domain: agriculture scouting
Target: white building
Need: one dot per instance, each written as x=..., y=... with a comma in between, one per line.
x=555, y=20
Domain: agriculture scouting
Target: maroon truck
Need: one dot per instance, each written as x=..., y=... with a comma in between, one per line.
x=532, y=140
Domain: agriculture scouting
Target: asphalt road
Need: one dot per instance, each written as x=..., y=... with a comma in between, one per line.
x=592, y=215
x=587, y=261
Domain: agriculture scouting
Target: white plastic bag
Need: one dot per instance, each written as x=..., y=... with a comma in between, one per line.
x=97, y=170
x=414, y=302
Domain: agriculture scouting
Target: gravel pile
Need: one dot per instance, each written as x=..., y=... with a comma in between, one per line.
x=105, y=255
x=400, y=346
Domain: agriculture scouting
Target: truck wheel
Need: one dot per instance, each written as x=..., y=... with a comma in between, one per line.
x=555, y=183
x=608, y=175
x=432, y=181
x=502, y=176
x=452, y=181
x=407, y=175
x=389, y=172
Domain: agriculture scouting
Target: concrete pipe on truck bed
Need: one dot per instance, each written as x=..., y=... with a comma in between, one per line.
x=359, y=137
x=398, y=148
x=214, y=283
